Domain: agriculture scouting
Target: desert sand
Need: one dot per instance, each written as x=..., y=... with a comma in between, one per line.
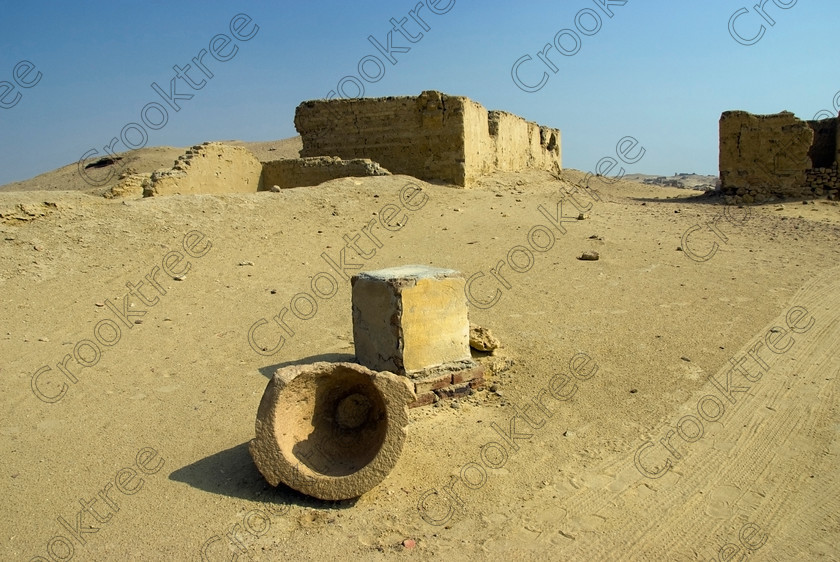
x=144, y=456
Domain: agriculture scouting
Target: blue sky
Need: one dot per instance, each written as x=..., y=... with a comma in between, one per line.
x=659, y=71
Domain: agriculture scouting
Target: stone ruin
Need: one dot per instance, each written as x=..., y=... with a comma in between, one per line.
x=215, y=167
x=433, y=136
x=767, y=157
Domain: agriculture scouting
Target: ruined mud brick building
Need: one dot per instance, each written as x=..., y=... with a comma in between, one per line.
x=766, y=157
x=432, y=136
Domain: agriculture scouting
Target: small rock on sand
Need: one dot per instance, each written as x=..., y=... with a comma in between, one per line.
x=482, y=339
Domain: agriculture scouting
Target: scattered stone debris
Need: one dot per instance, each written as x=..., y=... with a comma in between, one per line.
x=684, y=358
x=499, y=365
x=582, y=217
x=590, y=255
x=482, y=339
x=275, y=189
x=246, y=263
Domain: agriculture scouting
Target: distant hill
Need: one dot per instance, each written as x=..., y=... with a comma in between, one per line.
x=684, y=181
x=143, y=160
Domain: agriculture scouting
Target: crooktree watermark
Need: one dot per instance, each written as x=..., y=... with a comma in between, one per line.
x=711, y=407
x=493, y=454
x=155, y=115
x=541, y=238
x=108, y=331
x=101, y=506
x=739, y=32
x=750, y=539
x=371, y=68
x=9, y=96
x=324, y=285
x=692, y=252
x=567, y=42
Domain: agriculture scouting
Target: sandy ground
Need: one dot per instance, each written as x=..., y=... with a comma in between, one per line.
x=152, y=438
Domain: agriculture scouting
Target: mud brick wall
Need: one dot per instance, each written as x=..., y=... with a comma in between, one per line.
x=768, y=157
x=418, y=136
x=298, y=172
x=211, y=167
x=432, y=136
x=764, y=156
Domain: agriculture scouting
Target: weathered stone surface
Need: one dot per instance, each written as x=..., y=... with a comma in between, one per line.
x=211, y=167
x=432, y=136
x=129, y=186
x=331, y=430
x=410, y=318
x=766, y=157
x=482, y=339
x=764, y=153
x=299, y=172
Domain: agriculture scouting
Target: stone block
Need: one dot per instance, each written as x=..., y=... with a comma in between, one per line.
x=409, y=319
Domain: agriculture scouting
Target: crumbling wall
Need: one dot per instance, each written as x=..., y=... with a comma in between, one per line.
x=211, y=167
x=214, y=167
x=763, y=157
x=298, y=172
x=419, y=136
x=766, y=157
x=520, y=144
x=433, y=136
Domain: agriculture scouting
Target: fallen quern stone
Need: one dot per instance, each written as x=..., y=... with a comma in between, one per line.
x=331, y=430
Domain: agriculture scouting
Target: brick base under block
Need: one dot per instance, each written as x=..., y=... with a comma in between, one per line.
x=447, y=385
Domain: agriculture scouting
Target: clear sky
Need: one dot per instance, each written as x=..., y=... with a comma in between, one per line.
x=660, y=71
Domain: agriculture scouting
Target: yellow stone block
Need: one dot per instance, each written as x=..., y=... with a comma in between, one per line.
x=410, y=318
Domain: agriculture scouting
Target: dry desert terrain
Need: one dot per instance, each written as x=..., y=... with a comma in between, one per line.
x=718, y=378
